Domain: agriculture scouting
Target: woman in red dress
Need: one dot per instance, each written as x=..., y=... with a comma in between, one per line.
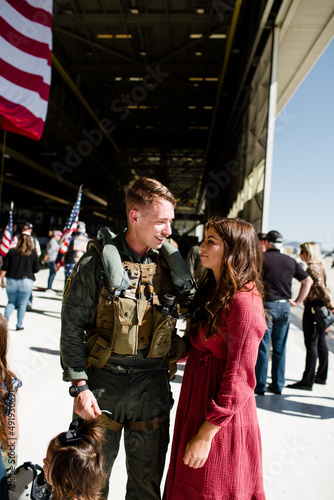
x=216, y=452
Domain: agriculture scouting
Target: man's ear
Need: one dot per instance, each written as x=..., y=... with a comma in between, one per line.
x=133, y=216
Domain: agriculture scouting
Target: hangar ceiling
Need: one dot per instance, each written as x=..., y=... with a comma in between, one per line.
x=139, y=87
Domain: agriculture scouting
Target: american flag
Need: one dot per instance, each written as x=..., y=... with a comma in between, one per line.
x=7, y=236
x=25, y=65
x=71, y=224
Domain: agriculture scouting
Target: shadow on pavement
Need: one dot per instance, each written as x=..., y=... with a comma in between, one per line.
x=51, y=314
x=287, y=404
x=54, y=352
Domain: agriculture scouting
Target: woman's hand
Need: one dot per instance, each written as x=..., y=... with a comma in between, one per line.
x=197, y=452
x=198, y=448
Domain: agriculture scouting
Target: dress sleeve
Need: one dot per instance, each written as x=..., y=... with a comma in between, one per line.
x=245, y=328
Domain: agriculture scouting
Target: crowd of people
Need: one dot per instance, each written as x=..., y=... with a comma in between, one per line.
x=119, y=348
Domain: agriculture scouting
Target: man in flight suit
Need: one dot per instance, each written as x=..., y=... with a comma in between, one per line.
x=127, y=373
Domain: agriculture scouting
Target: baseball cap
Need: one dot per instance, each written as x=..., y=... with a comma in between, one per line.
x=274, y=237
x=28, y=225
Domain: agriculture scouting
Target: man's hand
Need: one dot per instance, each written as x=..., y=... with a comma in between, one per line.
x=85, y=405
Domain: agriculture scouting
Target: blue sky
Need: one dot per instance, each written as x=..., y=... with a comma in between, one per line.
x=302, y=188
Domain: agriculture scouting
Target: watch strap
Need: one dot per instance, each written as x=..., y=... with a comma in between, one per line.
x=78, y=389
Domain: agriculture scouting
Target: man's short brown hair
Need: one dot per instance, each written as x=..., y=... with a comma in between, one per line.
x=142, y=192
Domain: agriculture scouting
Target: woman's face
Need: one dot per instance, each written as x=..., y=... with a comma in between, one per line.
x=212, y=251
x=303, y=255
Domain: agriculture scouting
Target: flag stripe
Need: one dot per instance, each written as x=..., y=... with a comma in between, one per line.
x=25, y=62
x=47, y=4
x=24, y=43
x=26, y=98
x=22, y=79
x=35, y=14
x=19, y=120
x=71, y=225
x=30, y=29
x=7, y=237
x=25, y=65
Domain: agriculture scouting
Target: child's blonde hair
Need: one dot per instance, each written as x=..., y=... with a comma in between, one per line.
x=75, y=462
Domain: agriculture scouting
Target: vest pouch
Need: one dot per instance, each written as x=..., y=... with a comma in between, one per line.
x=163, y=327
x=98, y=351
x=128, y=315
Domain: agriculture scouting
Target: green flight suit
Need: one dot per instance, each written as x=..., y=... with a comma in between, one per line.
x=135, y=389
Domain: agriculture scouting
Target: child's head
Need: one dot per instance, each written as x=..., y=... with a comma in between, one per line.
x=74, y=464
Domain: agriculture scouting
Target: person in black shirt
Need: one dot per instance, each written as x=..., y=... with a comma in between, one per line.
x=278, y=271
x=19, y=267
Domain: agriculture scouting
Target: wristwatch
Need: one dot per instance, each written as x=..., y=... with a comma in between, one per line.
x=74, y=390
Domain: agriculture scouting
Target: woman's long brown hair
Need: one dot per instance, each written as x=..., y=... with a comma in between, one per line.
x=6, y=377
x=241, y=264
x=25, y=245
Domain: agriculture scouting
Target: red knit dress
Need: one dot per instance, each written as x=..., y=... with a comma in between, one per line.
x=218, y=385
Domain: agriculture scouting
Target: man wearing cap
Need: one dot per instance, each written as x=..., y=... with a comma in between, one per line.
x=76, y=249
x=278, y=271
x=27, y=229
x=262, y=241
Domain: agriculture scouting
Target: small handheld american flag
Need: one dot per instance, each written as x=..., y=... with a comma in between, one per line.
x=7, y=237
x=71, y=224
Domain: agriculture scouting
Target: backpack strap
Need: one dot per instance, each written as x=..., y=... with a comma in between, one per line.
x=111, y=261
x=180, y=272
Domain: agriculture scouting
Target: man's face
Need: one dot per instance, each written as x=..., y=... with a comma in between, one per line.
x=153, y=225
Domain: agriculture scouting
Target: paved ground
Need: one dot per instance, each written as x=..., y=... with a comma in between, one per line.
x=297, y=427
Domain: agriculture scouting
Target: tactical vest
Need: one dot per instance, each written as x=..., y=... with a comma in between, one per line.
x=135, y=320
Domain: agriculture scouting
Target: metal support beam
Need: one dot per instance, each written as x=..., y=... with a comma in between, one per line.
x=271, y=130
x=37, y=191
x=224, y=69
x=98, y=46
x=39, y=168
x=116, y=20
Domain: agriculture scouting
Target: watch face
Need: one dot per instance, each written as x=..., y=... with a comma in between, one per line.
x=73, y=390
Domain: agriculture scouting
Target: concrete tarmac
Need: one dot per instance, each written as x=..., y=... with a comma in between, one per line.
x=297, y=427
